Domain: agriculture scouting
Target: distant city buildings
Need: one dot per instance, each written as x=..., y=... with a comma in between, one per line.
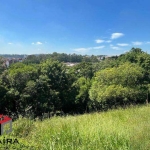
x=9, y=61
x=70, y=64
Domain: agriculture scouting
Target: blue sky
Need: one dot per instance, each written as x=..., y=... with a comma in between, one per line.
x=98, y=27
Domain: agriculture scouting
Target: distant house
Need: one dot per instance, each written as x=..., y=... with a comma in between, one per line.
x=20, y=60
x=9, y=61
x=70, y=64
x=101, y=57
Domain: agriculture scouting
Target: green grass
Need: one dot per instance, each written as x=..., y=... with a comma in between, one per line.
x=122, y=129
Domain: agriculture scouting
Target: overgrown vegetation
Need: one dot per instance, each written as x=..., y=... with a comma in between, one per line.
x=123, y=129
x=47, y=86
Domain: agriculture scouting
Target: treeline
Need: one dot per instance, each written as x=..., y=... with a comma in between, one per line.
x=51, y=86
x=61, y=57
x=12, y=56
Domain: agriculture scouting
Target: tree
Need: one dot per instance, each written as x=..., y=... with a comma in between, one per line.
x=136, y=55
x=32, y=59
x=58, y=83
x=3, y=91
x=84, y=69
x=118, y=85
x=2, y=65
x=15, y=80
x=82, y=100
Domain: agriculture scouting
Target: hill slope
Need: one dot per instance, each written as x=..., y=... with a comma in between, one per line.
x=115, y=129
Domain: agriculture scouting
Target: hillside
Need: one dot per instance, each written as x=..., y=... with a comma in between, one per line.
x=116, y=129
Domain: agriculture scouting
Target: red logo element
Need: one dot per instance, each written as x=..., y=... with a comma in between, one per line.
x=4, y=120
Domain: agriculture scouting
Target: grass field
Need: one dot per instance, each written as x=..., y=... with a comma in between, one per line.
x=122, y=129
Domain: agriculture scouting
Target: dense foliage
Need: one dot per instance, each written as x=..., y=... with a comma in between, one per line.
x=45, y=84
x=61, y=57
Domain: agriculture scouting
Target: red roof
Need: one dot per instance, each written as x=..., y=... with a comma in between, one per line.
x=5, y=119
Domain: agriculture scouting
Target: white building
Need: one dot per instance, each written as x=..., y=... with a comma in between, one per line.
x=7, y=63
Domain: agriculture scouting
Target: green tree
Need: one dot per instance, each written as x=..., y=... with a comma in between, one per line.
x=84, y=69
x=3, y=91
x=2, y=65
x=58, y=83
x=32, y=59
x=14, y=80
x=118, y=85
x=82, y=100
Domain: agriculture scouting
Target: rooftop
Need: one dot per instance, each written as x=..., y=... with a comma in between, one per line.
x=4, y=119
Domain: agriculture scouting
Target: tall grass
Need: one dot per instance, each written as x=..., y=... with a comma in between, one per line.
x=122, y=129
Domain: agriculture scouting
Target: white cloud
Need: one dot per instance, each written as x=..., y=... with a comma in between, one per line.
x=99, y=41
x=37, y=43
x=115, y=47
x=137, y=43
x=116, y=35
x=102, y=41
x=148, y=42
x=83, y=50
x=99, y=47
x=10, y=43
x=109, y=41
x=123, y=44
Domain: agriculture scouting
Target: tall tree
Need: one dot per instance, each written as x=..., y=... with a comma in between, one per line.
x=118, y=85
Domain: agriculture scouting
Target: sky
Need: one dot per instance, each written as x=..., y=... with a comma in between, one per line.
x=98, y=27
